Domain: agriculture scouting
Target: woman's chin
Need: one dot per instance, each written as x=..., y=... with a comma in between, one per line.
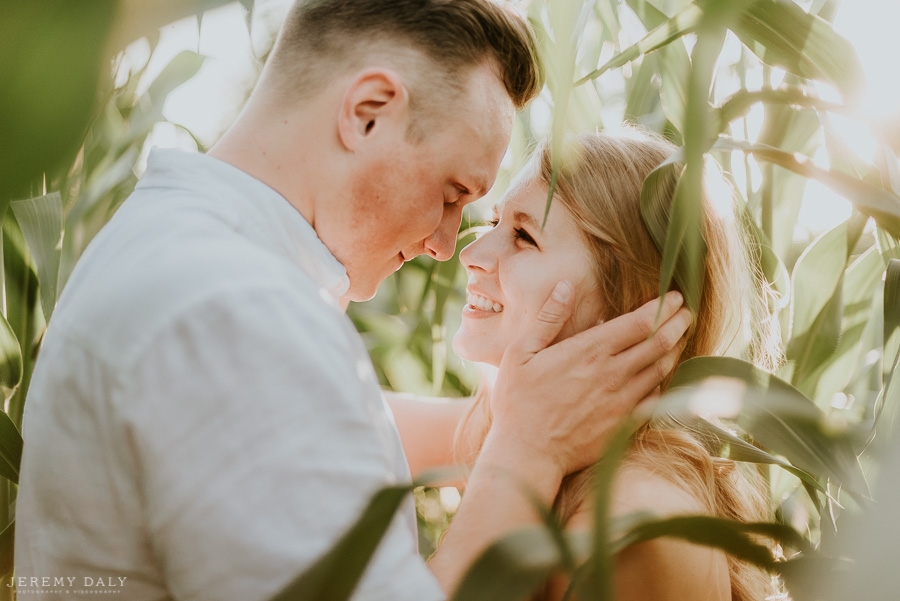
x=471, y=350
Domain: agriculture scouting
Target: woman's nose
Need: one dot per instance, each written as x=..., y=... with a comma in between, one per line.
x=480, y=254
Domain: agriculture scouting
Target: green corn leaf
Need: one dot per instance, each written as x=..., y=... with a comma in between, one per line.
x=890, y=169
x=668, y=225
x=149, y=111
x=772, y=411
x=10, y=449
x=10, y=357
x=734, y=537
x=22, y=305
x=715, y=437
x=782, y=191
x=514, y=567
x=672, y=66
x=41, y=221
x=860, y=281
x=55, y=56
x=180, y=69
x=7, y=547
x=568, y=25
x=891, y=319
x=781, y=34
x=648, y=14
x=595, y=578
x=335, y=575
x=678, y=26
x=684, y=250
x=890, y=402
x=108, y=177
x=888, y=246
x=773, y=268
x=739, y=104
x=875, y=202
x=675, y=65
x=809, y=351
x=816, y=299
x=641, y=93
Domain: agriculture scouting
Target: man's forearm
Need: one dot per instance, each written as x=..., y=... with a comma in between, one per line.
x=427, y=427
x=500, y=498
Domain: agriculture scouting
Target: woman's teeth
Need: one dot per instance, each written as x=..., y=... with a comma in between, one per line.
x=485, y=304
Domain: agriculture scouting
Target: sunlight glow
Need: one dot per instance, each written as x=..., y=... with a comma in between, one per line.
x=210, y=101
x=870, y=25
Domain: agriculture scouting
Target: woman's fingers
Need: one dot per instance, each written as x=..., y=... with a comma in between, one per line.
x=549, y=322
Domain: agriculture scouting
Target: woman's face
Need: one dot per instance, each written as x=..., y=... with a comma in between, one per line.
x=513, y=268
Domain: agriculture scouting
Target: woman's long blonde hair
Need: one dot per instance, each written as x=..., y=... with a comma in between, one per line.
x=600, y=183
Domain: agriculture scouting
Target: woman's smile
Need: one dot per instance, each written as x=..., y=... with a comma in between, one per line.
x=478, y=304
x=517, y=262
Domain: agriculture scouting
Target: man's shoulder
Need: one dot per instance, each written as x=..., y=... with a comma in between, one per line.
x=144, y=273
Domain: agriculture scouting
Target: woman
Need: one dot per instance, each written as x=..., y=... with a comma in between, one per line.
x=595, y=238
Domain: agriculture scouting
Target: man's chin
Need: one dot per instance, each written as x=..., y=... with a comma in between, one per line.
x=362, y=291
x=358, y=297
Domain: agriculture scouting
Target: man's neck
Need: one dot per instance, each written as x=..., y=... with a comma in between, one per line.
x=253, y=146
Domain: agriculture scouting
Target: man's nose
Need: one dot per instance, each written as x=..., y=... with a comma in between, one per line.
x=442, y=243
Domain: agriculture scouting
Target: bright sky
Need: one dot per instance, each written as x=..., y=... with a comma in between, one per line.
x=210, y=101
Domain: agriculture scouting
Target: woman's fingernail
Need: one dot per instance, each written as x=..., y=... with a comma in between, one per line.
x=562, y=291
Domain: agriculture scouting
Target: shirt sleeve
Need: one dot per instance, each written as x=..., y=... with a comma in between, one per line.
x=257, y=435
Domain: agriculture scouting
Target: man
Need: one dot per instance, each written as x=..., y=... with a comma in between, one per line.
x=204, y=421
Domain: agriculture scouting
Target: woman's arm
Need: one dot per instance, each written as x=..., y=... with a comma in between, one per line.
x=663, y=569
x=427, y=426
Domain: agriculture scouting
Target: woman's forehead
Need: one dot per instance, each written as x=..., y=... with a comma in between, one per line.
x=528, y=205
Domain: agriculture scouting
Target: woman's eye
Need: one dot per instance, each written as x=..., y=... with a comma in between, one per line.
x=524, y=236
x=494, y=222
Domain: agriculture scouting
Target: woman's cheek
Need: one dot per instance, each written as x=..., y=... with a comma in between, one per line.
x=587, y=309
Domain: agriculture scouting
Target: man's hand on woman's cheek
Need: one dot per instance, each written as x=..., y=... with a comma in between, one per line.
x=556, y=405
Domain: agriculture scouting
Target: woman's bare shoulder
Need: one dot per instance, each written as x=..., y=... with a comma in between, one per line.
x=640, y=487
x=663, y=569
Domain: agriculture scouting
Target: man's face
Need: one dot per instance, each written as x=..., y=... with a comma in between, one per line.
x=407, y=198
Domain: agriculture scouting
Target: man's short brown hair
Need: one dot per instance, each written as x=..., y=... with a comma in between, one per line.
x=324, y=37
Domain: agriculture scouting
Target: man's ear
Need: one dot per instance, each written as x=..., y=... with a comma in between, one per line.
x=375, y=100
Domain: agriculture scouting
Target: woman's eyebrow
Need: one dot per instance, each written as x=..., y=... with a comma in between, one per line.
x=526, y=218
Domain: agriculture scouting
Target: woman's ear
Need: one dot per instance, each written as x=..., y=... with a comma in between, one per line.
x=375, y=102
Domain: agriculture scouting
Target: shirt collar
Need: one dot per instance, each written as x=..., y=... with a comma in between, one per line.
x=264, y=215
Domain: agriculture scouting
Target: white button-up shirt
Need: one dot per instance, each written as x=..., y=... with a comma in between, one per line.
x=203, y=420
